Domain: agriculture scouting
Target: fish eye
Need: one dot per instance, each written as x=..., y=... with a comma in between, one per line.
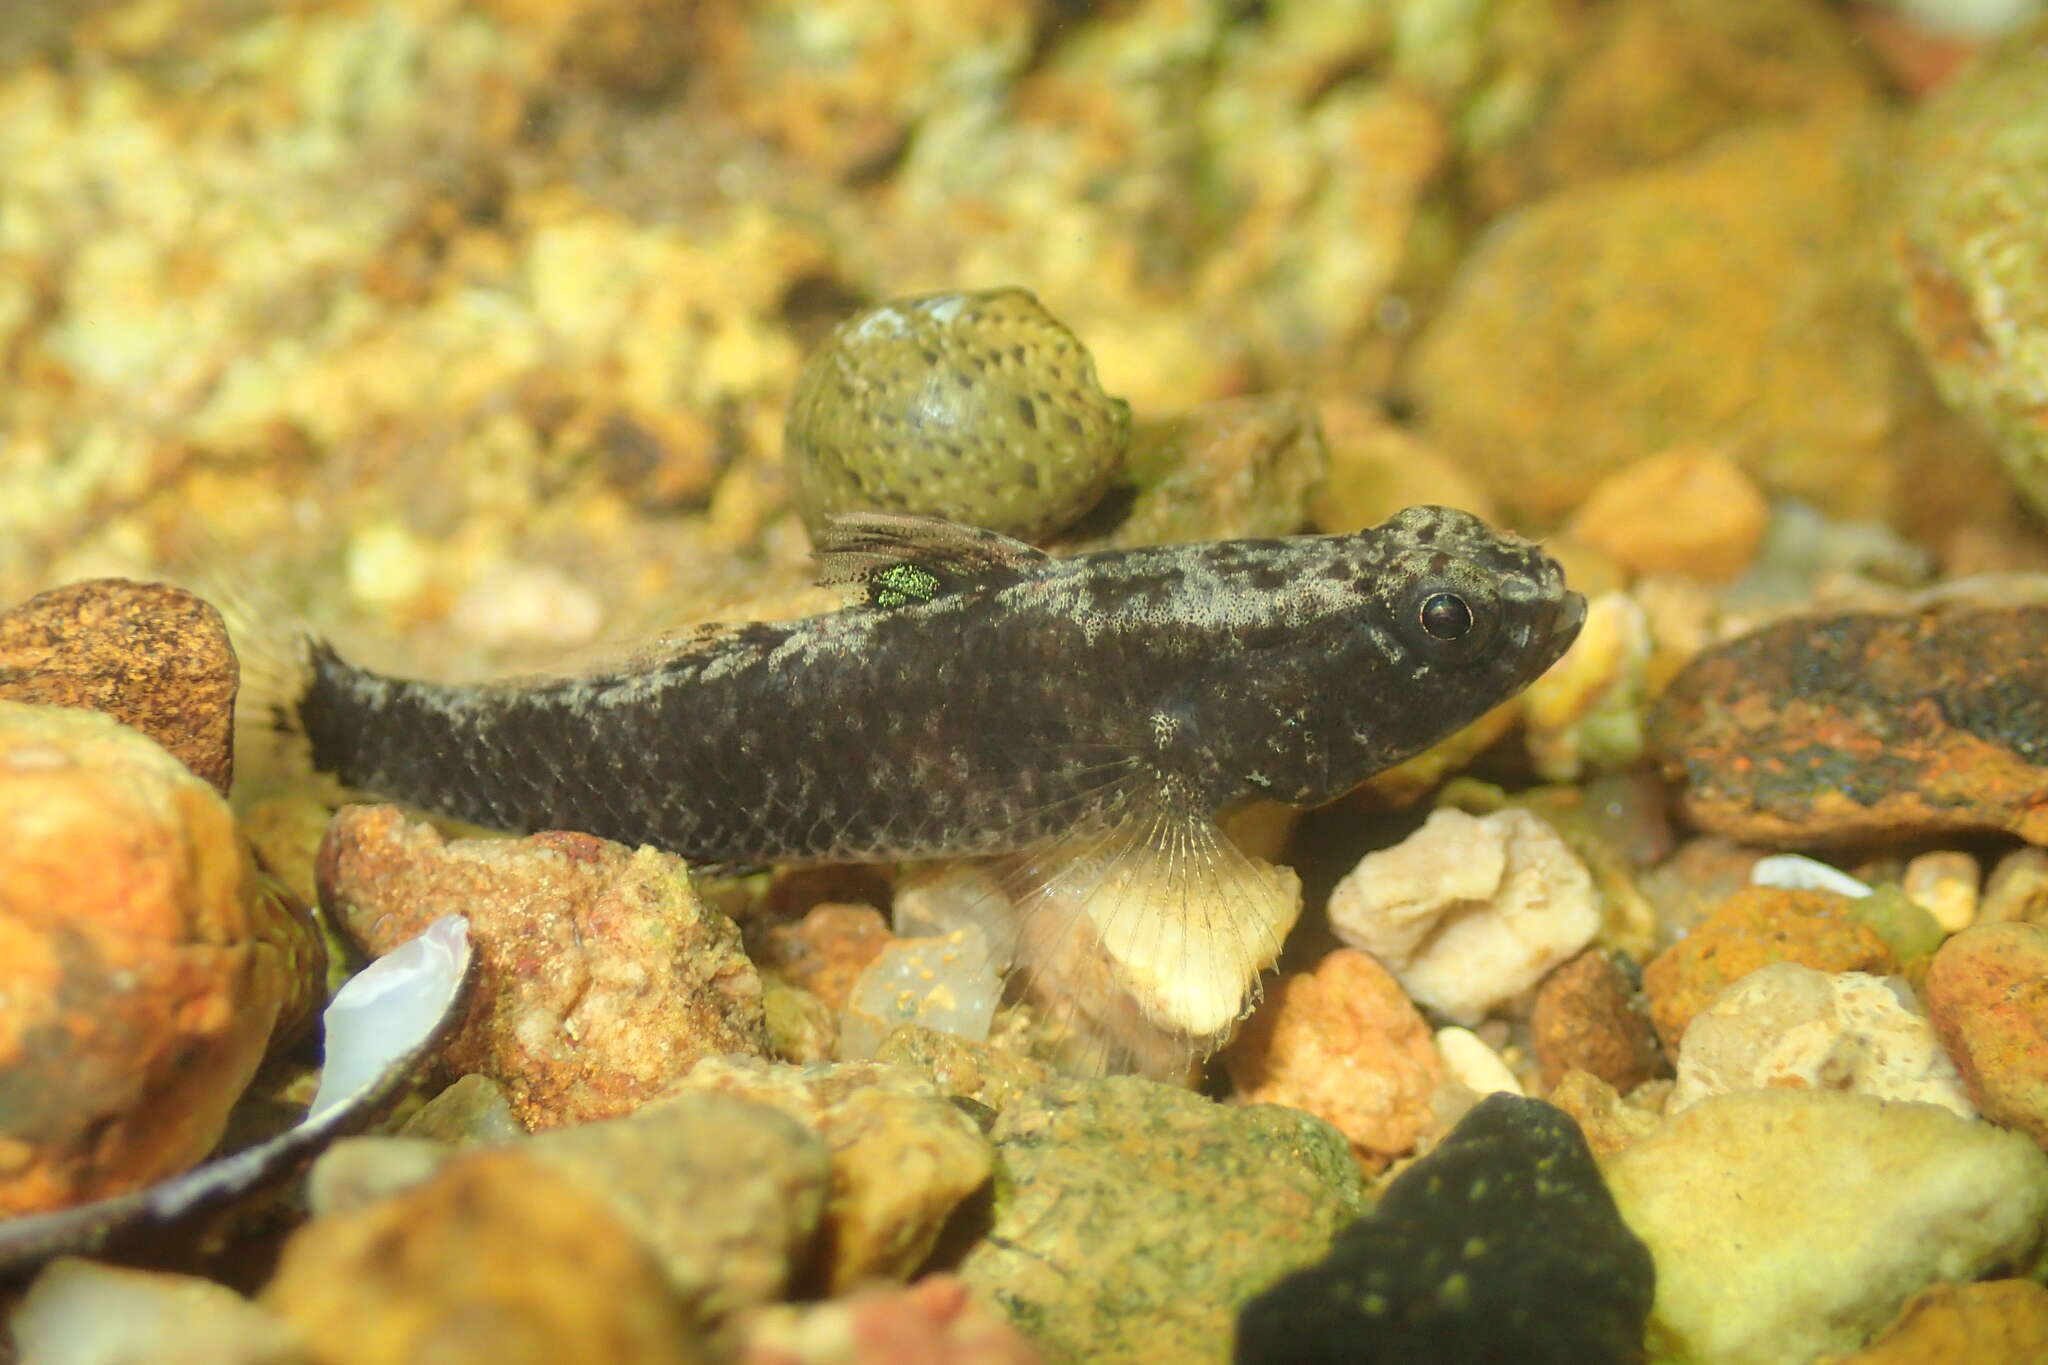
x=1445, y=616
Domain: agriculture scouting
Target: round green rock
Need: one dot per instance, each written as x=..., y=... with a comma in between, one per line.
x=979, y=407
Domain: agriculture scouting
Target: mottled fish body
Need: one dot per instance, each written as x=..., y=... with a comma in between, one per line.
x=983, y=696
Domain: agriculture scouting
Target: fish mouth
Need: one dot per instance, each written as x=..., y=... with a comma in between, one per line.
x=1565, y=620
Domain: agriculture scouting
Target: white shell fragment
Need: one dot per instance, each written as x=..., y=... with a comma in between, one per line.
x=383, y=1011
x=1473, y=1064
x=1795, y=872
x=1469, y=912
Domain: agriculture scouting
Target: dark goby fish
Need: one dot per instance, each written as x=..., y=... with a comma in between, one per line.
x=983, y=697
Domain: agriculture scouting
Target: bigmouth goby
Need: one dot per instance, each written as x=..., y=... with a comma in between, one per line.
x=1090, y=714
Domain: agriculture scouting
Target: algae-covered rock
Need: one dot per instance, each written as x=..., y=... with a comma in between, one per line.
x=1133, y=1219
x=1974, y=249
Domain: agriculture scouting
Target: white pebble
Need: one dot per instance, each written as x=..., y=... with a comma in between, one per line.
x=1792, y=872
x=1473, y=1064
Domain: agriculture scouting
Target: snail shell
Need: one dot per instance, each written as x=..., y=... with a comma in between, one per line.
x=980, y=407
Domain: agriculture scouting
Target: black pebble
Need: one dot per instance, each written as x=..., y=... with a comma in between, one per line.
x=1502, y=1245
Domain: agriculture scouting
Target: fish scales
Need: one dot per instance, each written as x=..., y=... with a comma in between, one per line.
x=984, y=697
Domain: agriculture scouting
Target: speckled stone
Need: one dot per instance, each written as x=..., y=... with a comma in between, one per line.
x=1472, y=1254
x=978, y=407
x=1865, y=726
x=149, y=655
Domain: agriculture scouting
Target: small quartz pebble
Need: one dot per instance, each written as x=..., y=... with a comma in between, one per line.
x=978, y=407
x=1474, y=1065
x=1690, y=510
x=951, y=983
x=1469, y=1256
x=1789, y=1027
x=1787, y=1223
x=600, y=976
x=495, y=1261
x=1931, y=723
x=1468, y=911
x=357, y=1172
x=1587, y=1017
x=1343, y=1043
x=903, y=1157
x=1987, y=991
x=147, y=654
x=84, y=1313
x=1751, y=929
x=1946, y=883
x=1795, y=872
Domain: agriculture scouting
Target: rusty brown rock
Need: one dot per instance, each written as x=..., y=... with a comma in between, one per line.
x=1587, y=1017
x=1865, y=726
x=496, y=1261
x=600, y=977
x=933, y=1322
x=147, y=654
x=1755, y=928
x=1344, y=1043
x=1987, y=993
x=143, y=964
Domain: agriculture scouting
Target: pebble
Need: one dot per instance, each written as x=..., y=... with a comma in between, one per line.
x=2017, y=889
x=1790, y=1027
x=1932, y=725
x=498, y=1260
x=1787, y=1224
x=1993, y=1322
x=952, y=983
x=147, y=654
x=1987, y=992
x=826, y=950
x=600, y=977
x=1587, y=1017
x=1755, y=928
x=1610, y=1120
x=903, y=1157
x=144, y=966
x=1468, y=912
x=471, y=1112
x=1689, y=510
x=84, y=1313
x=1946, y=882
x=1133, y=1219
x=933, y=1322
x=1474, y=1065
x=1469, y=1256
x=1971, y=245
x=978, y=407
x=1586, y=712
x=1343, y=1043
x=728, y=1194
x=1232, y=469
x=358, y=1171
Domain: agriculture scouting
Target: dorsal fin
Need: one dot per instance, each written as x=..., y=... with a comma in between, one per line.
x=900, y=559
